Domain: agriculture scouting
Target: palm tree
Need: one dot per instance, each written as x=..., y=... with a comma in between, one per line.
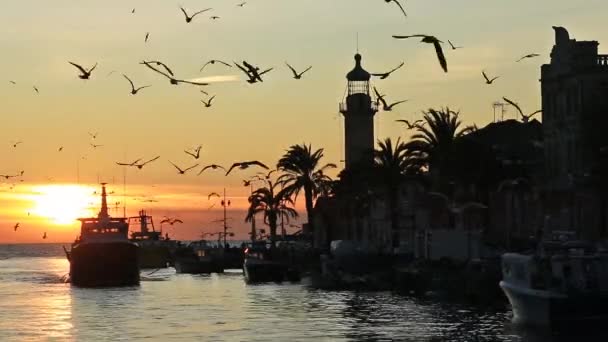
x=392, y=163
x=432, y=146
x=302, y=171
x=272, y=204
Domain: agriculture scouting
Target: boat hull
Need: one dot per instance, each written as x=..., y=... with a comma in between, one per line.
x=154, y=255
x=194, y=266
x=544, y=308
x=259, y=271
x=104, y=264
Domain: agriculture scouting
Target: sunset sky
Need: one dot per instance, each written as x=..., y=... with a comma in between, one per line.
x=258, y=121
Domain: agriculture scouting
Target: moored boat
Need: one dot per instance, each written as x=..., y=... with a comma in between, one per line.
x=564, y=283
x=198, y=257
x=154, y=249
x=103, y=255
x=263, y=264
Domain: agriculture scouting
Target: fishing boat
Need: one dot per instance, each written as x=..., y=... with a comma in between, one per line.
x=154, y=249
x=102, y=255
x=199, y=257
x=264, y=264
x=564, y=283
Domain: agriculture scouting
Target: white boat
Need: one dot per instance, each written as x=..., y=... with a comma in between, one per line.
x=563, y=282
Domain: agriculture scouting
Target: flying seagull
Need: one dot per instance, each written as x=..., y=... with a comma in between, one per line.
x=180, y=171
x=532, y=55
x=213, y=194
x=252, y=72
x=212, y=166
x=241, y=4
x=398, y=4
x=190, y=17
x=214, y=17
x=16, y=226
x=84, y=73
x=213, y=61
x=95, y=146
x=297, y=75
x=93, y=136
x=17, y=143
x=147, y=36
x=488, y=80
x=129, y=164
x=454, y=47
x=12, y=82
x=140, y=166
x=170, y=76
x=415, y=124
x=197, y=152
x=133, y=89
x=245, y=165
x=524, y=118
x=208, y=103
x=430, y=40
x=36, y=89
x=44, y=236
x=387, y=74
x=385, y=105
x=159, y=63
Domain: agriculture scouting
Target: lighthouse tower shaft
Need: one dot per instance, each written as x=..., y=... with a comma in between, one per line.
x=358, y=110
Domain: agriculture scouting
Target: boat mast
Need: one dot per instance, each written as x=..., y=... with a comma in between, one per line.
x=225, y=225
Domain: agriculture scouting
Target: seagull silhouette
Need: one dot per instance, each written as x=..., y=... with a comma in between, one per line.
x=387, y=74
x=133, y=11
x=170, y=76
x=214, y=17
x=36, y=89
x=44, y=236
x=190, y=17
x=12, y=82
x=180, y=171
x=241, y=4
x=16, y=226
x=297, y=75
x=415, y=124
x=245, y=165
x=252, y=72
x=488, y=80
x=398, y=4
x=93, y=136
x=95, y=146
x=129, y=164
x=385, y=106
x=197, y=152
x=454, y=47
x=212, y=166
x=9, y=176
x=430, y=40
x=208, y=103
x=524, y=118
x=17, y=143
x=133, y=89
x=84, y=73
x=60, y=149
x=532, y=55
x=213, y=61
x=140, y=166
x=159, y=63
x=147, y=37
x=213, y=194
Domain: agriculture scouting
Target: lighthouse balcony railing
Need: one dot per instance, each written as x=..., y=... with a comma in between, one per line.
x=343, y=107
x=602, y=60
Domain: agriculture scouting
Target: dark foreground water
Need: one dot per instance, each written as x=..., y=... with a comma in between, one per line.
x=36, y=305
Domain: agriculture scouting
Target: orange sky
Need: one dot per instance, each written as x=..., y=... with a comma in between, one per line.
x=246, y=121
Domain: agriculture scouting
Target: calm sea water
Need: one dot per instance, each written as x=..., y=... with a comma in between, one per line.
x=36, y=305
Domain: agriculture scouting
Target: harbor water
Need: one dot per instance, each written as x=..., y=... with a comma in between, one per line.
x=35, y=304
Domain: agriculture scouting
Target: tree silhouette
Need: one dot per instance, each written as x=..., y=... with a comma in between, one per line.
x=302, y=171
x=392, y=163
x=273, y=204
x=432, y=146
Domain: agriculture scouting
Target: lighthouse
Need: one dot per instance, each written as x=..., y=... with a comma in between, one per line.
x=358, y=110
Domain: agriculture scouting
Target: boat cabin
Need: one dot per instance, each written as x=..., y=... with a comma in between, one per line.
x=142, y=228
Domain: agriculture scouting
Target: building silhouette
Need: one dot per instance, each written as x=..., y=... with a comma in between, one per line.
x=575, y=107
x=358, y=110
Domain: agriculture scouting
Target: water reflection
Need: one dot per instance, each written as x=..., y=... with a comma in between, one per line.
x=35, y=305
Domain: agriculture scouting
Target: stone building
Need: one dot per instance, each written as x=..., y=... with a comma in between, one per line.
x=575, y=126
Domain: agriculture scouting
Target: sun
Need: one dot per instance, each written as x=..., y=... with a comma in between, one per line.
x=63, y=204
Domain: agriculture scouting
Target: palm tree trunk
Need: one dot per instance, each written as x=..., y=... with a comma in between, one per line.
x=309, y=208
x=272, y=222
